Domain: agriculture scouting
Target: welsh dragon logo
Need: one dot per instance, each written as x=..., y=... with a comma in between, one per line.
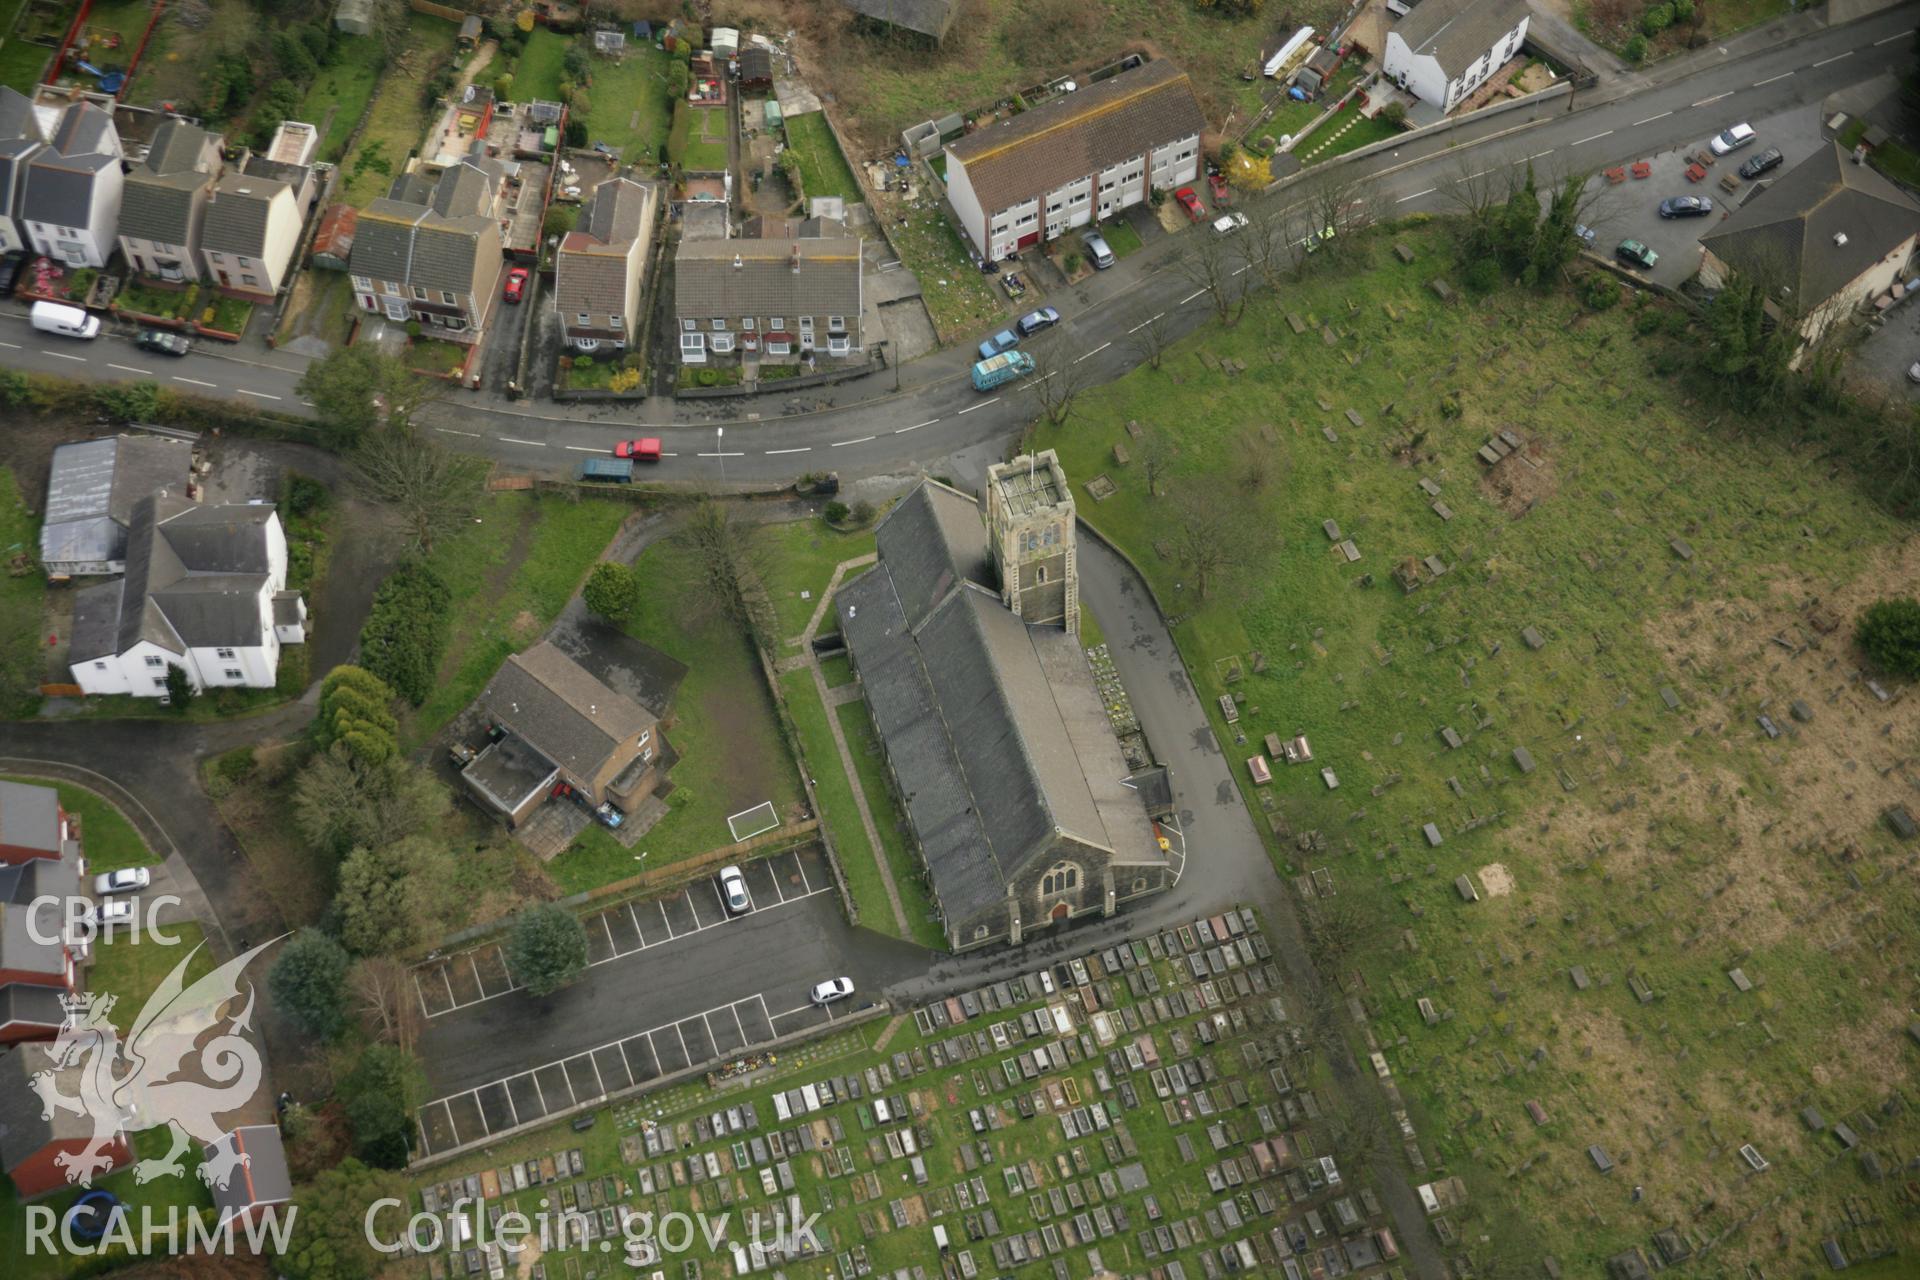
x=167, y=1070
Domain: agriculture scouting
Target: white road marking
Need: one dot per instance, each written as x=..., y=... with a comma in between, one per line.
x=127, y=368
x=1536, y=155
x=11, y=346
x=581, y=448
x=471, y=435
x=1650, y=119
x=1594, y=138
x=194, y=382
x=1715, y=98
x=720, y=455
x=1103, y=346
x=983, y=404
x=1770, y=79
x=1190, y=297
x=1470, y=177
x=837, y=443
x=1242, y=271
x=1835, y=58
x=61, y=355
x=916, y=426
x=1416, y=195
x=538, y=444
x=772, y=453
x=258, y=395
x=1144, y=323
x=1898, y=35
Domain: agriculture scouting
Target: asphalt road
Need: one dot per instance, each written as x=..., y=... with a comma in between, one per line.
x=868, y=428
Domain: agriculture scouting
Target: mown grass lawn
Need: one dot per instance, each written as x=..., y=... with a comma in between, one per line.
x=132, y=969
x=510, y=575
x=542, y=65
x=107, y=838
x=856, y=723
x=627, y=106
x=823, y=170
x=23, y=596
x=732, y=753
x=1636, y=843
x=798, y=562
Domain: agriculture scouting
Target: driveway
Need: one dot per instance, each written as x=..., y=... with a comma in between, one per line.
x=1884, y=358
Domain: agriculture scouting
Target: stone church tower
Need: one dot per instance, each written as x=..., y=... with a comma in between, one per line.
x=1030, y=532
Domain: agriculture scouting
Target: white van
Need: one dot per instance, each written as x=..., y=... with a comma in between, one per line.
x=68, y=322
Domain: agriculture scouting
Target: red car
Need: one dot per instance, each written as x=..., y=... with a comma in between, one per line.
x=516, y=287
x=1190, y=202
x=646, y=450
x=1217, y=184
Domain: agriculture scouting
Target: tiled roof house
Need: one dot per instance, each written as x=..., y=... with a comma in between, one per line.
x=164, y=201
x=774, y=298
x=431, y=252
x=601, y=264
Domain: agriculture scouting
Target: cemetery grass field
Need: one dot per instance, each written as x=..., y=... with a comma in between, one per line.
x=1653, y=543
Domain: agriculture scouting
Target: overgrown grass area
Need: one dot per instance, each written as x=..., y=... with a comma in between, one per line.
x=823, y=170
x=435, y=355
x=1613, y=23
x=1010, y=45
x=863, y=740
x=343, y=89
x=838, y=812
x=131, y=969
x=987, y=1134
x=21, y=61
x=959, y=297
x=157, y=1198
x=398, y=122
x=106, y=837
x=22, y=596
x=798, y=562
x=1608, y=601
x=627, y=107
x=510, y=574
x=732, y=755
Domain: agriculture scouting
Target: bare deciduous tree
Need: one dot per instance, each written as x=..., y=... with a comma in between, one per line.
x=1214, y=267
x=1156, y=451
x=1057, y=381
x=728, y=560
x=389, y=1007
x=427, y=489
x=1151, y=340
x=1215, y=540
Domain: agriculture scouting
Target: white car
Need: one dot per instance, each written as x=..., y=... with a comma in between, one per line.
x=108, y=914
x=125, y=880
x=1732, y=139
x=825, y=993
x=1228, y=223
x=733, y=888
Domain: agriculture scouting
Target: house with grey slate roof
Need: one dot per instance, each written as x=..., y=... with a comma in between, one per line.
x=91, y=491
x=40, y=860
x=32, y=1138
x=770, y=299
x=1832, y=235
x=252, y=228
x=21, y=138
x=1078, y=159
x=965, y=640
x=1443, y=50
x=164, y=200
x=72, y=202
x=259, y=1179
x=204, y=589
x=601, y=265
x=430, y=250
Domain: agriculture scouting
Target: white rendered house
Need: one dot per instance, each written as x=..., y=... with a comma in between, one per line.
x=1445, y=49
x=205, y=589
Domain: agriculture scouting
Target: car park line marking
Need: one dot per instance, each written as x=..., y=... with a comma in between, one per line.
x=738, y=1025
x=597, y=1077
x=516, y=1111
x=608, y=930
x=1594, y=138
x=835, y=444
x=61, y=355
x=1416, y=195
x=1835, y=58
x=581, y=448
x=127, y=368
x=1716, y=97
x=772, y=453
x=1190, y=297
x=1650, y=119
x=684, y=1051
x=801, y=867
x=538, y=444
x=194, y=382
x=1103, y=346
x=257, y=394
x=983, y=404
x=471, y=435
x=1770, y=79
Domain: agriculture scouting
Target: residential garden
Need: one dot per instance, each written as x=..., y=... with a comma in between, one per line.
x=1535, y=589
x=1643, y=32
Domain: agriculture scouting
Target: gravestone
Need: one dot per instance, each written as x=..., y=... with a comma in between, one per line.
x=1682, y=548
x=1524, y=759
x=1452, y=739
x=1353, y=416
x=1533, y=638
x=1295, y=323
x=1668, y=696
x=1442, y=510
x=1428, y=487
x=1579, y=975
x=1349, y=550
x=1441, y=289
x=1331, y=529
x=1402, y=252
x=1432, y=833
x=1464, y=886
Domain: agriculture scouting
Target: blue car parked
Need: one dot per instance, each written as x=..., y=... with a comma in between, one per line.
x=1001, y=341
